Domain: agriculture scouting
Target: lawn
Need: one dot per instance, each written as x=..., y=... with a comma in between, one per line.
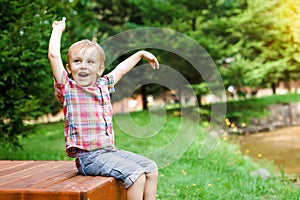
x=247, y=109
x=225, y=173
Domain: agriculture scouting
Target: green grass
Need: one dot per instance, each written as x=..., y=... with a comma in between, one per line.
x=245, y=110
x=47, y=143
x=222, y=174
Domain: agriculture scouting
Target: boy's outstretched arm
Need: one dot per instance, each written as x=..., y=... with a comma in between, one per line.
x=130, y=62
x=54, y=55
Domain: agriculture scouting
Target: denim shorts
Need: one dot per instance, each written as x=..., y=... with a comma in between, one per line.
x=119, y=164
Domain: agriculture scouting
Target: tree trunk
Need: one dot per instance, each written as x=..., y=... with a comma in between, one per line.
x=198, y=96
x=273, y=85
x=194, y=24
x=144, y=97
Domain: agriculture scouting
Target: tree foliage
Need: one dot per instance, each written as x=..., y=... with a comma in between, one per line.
x=268, y=40
x=26, y=82
x=260, y=37
x=23, y=49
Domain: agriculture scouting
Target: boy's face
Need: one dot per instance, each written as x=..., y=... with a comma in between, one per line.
x=85, y=67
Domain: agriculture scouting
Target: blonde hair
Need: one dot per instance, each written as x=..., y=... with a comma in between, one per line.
x=84, y=45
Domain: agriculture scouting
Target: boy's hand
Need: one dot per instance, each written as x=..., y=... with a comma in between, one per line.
x=151, y=59
x=59, y=24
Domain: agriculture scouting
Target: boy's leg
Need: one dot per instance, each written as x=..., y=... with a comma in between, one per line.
x=136, y=190
x=151, y=185
x=151, y=174
x=138, y=173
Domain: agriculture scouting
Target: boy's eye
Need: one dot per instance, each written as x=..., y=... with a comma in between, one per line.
x=76, y=61
x=90, y=61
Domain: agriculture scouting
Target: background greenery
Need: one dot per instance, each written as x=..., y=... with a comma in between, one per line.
x=254, y=43
x=225, y=173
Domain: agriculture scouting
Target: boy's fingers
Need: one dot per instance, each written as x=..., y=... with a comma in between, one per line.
x=64, y=19
x=156, y=64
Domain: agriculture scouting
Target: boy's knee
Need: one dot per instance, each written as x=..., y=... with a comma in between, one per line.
x=153, y=174
x=141, y=179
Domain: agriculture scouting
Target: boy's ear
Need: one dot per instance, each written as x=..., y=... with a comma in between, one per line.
x=101, y=70
x=68, y=68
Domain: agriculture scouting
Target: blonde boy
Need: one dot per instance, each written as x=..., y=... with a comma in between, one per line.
x=87, y=108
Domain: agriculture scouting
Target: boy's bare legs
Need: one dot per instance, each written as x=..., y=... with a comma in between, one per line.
x=151, y=185
x=136, y=190
x=144, y=188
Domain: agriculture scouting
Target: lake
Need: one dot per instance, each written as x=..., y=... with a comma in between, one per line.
x=281, y=145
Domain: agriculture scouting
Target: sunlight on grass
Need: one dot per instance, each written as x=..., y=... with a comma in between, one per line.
x=225, y=173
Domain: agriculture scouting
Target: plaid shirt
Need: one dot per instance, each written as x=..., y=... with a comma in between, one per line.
x=88, y=114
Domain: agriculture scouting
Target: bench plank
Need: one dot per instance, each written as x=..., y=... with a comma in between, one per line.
x=24, y=171
x=55, y=180
x=4, y=165
x=38, y=176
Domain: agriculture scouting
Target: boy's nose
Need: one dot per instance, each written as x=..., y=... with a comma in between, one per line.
x=83, y=65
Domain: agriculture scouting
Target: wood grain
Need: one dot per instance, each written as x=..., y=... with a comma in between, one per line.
x=54, y=180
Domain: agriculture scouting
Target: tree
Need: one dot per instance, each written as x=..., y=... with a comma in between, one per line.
x=23, y=70
x=26, y=81
x=261, y=36
x=267, y=38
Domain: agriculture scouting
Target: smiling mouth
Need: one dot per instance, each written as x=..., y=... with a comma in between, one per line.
x=83, y=74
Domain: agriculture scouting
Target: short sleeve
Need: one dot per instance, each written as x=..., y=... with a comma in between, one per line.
x=60, y=87
x=109, y=82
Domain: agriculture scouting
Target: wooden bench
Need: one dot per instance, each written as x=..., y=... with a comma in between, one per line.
x=54, y=180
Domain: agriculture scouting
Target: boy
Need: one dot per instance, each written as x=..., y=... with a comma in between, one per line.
x=88, y=114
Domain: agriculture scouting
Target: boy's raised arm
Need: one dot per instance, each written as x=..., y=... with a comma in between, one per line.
x=54, y=55
x=130, y=62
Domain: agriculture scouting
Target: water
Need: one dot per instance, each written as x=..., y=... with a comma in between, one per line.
x=280, y=145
